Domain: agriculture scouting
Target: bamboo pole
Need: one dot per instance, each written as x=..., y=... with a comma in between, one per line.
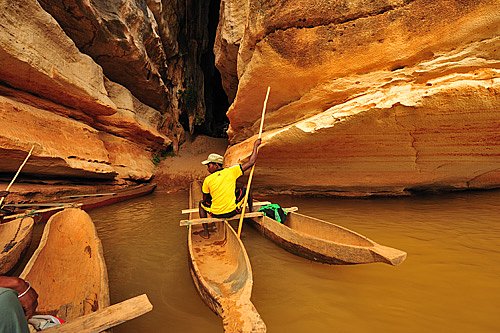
x=240, y=225
x=17, y=173
x=38, y=211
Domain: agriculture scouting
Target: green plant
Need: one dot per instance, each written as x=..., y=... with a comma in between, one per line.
x=161, y=155
x=198, y=120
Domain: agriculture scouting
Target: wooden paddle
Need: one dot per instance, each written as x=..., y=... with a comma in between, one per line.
x=240, y=225
x=17, y=173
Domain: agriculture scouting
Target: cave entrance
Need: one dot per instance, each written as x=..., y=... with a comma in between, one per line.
x=216, y=101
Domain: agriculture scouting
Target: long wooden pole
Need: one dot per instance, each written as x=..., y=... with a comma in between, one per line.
x=17, y=173
x=240, y=225
x=38, y=211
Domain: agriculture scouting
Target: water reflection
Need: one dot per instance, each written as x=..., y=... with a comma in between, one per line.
x=449, y=281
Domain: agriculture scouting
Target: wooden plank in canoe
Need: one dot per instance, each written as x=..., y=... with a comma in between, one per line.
x=106, y=318
x=255, y=204
x=236, y=217
x=213, y=219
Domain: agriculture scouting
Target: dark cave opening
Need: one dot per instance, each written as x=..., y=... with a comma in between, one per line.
x=216, y=101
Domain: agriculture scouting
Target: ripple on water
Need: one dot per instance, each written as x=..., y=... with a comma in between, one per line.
x=449, y=282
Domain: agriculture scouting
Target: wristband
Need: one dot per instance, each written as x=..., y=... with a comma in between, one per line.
x=26, y=291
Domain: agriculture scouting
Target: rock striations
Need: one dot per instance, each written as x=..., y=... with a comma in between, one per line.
x=87, y=84
x=378, y=97
x=367, y=97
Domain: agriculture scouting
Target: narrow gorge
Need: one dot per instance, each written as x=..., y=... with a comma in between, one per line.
x=384, y=97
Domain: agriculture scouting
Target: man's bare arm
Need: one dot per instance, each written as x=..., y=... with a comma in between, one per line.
x=253, y=157
x=29, y=298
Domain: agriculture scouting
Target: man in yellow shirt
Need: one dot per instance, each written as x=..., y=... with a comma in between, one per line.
x=221, y=198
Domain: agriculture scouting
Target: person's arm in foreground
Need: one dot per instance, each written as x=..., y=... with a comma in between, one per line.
x=253, y=157
x=28, y=300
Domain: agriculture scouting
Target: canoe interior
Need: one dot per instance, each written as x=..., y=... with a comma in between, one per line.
x=220, y=259
x=17, y=234
x=67, y=269
x=323, y=230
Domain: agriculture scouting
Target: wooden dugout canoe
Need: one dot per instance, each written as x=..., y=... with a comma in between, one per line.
x=325, y=242
x=222, y=273
x=15, y=237
x=121, y=195
x=67, y=269
x=86, y=201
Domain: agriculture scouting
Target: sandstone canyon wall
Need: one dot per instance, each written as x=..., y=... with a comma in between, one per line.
x=96, y=86
x=367, y=97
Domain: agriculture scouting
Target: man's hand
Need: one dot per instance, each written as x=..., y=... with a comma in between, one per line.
x=253, y=157
x=257, y=143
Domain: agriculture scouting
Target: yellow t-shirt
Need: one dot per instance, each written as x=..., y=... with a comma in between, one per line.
x=221, y=185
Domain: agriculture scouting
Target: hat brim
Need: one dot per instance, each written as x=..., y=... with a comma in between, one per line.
x=205, y=162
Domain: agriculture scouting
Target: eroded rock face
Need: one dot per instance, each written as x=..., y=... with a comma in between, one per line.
x=232, y=22
x=57, y=99
x=122, y=36
x=37, y=57
x=376, y=97
x=153, y=48
x=62, y=146
x=366, y=96
x=133, y=120
x=128, y=159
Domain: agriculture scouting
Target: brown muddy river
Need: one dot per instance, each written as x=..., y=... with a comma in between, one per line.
x=449, y=282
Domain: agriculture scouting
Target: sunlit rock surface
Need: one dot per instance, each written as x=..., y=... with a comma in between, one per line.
x=380, y=97
x=57, y=99
x=62, y=146
x=36, y=56
x=133, y=120
x=128, y=159
x=367, y=97
x=232, y=22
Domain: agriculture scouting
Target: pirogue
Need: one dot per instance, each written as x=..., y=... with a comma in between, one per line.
x=222, y=273
x=68, y=269
x=325, y=242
